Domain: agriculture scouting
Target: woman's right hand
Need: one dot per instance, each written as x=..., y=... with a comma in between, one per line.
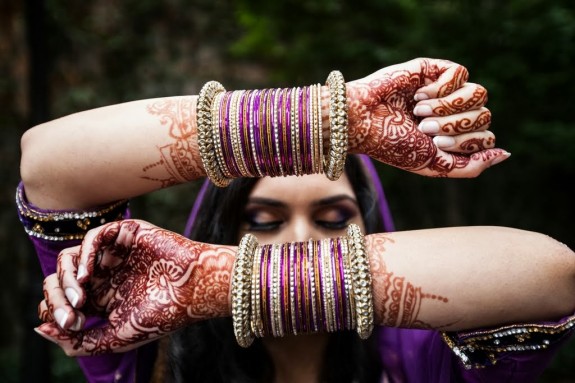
x=144, y=281
x=424, y=117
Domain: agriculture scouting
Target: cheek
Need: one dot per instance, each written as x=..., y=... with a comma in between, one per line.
x=358, y=220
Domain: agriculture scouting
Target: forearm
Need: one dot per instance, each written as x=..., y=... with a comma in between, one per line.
x=468, y=277
x=110, y=153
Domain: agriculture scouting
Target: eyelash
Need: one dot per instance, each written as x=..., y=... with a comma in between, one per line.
x=274, y=225
x=268, y=226
x=337, y=225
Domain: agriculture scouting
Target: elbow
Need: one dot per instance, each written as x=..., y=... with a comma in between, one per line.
x=566, y=271
x=31, y=171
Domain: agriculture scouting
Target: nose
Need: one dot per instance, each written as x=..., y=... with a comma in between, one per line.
x=301, y=228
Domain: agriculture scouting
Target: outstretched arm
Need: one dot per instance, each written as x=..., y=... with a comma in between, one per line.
x=121, y=151
x=149, y=282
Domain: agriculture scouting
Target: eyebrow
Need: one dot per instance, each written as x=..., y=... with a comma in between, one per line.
x=321, y=202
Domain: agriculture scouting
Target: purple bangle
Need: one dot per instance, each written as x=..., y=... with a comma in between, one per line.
x=301, y=122
x=322, y=307
x=334, y=287
x=343, y=312
x=283, y=306
x=243, y=134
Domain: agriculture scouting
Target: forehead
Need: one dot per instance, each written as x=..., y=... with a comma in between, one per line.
x=308, y=187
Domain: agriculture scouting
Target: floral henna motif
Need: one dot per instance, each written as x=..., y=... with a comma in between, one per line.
x=382, y=124
x=149, y=282
x=178, y=159
x=400, y=300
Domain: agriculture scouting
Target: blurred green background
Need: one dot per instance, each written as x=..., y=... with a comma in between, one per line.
x=59, y=57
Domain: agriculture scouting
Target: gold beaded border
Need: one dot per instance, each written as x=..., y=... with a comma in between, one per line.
x=241, y=290
x=361, y=282
x=206, y=142
x=338, y=123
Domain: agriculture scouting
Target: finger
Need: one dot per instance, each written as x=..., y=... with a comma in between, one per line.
x=469, y=97
x=446, y=77
x=471, y=121
x=464, y=166
x=455, y=165
x=44, y=313
x=466, y=143
x=92, y=245
x=57, y=303
x=89, y=342
x=68, y=260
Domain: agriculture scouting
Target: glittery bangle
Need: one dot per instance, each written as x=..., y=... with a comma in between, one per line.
x=338, y=126
x=64, y=225
x=361, y=282
x=241, y=290
x=205, y=133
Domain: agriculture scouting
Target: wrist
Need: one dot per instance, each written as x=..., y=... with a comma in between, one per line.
x=354, y=121
x=208, y=276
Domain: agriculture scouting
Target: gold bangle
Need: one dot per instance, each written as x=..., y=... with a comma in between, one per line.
x=241, y=290
x=206, y=142
x=337, y=125
x=361, y=282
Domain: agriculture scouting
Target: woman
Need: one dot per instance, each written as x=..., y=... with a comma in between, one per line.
x=380, y=105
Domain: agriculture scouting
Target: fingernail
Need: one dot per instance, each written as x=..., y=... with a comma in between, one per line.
x=443, y=141
x=420, y=97
x=81, y=272
x=423, y=110
x=72, y=296
x=44, y=335
x=429, y=127
x=77, y=326
x=61, y=316
x=500, y=158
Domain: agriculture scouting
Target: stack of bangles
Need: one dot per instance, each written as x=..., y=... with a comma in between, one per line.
x=302, y=287
x=271, y=132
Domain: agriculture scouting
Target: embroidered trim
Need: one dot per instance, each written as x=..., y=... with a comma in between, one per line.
x=483, y=348
x=63, y=225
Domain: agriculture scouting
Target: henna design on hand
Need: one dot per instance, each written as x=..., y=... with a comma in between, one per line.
x=400, y=300
x=179, y=160
x=461, y=104
x=465, y=125
x=147, y=282
x=383, y=126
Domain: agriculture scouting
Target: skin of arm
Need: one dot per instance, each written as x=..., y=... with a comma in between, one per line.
x=466, y=277
x=125, y=150
x=445, y=279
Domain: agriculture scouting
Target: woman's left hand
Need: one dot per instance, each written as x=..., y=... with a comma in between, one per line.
x=143, y=281
x=423, y=116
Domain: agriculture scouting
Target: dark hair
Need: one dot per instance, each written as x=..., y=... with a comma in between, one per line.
x=208, y=351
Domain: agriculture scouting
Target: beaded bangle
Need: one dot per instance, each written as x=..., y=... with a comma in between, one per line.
x=361, y=282
x=241, y=290
x=338, y=126
x=205, y=133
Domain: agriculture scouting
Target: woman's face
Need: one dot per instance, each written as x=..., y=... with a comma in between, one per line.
x=286, y=209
